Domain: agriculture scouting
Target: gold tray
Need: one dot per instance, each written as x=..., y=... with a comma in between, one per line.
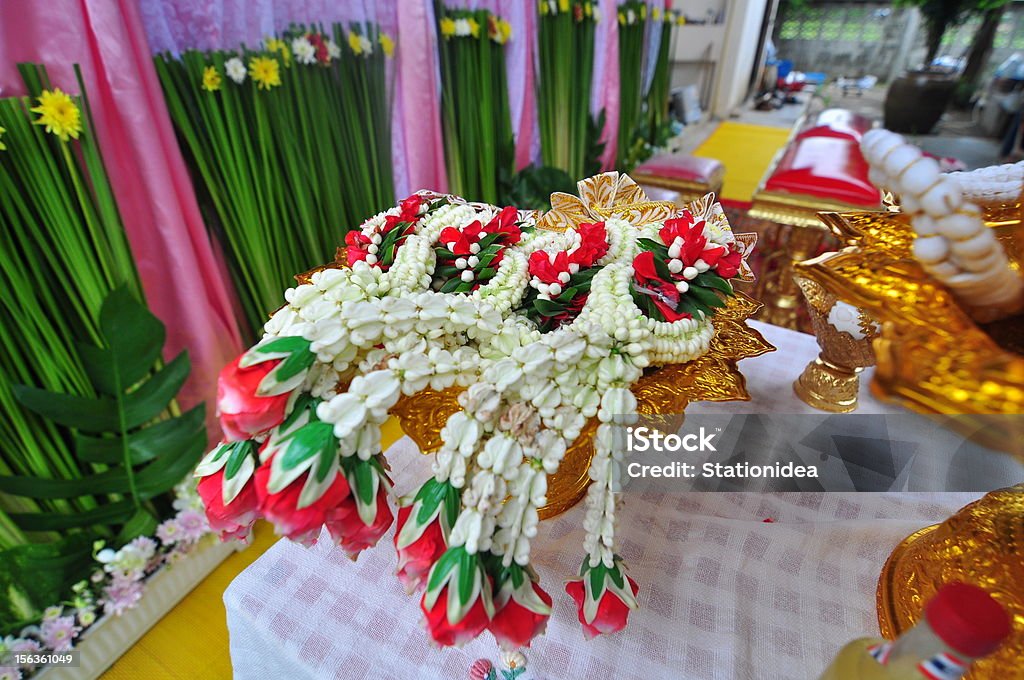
x=982, y=544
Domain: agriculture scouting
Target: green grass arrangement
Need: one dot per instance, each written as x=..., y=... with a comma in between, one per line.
x=565, y=61
x=475, y=115
x=658, y=125
x=291, y=147
x=632, y=25
x=63, y=251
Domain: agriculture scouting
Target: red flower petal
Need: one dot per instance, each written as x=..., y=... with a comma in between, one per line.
x=281, y=508
x=460, y=632
x=235, y=519
x=416, y=559
x=514, y=625
x=243, y=415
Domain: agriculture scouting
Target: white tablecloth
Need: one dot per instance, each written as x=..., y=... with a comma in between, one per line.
x=723, y=594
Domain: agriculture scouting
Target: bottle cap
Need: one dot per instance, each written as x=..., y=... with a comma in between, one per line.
x=967, y=619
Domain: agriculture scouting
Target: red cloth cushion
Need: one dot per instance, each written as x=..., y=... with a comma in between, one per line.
x=826, y=131
x=680, y=166
x=828, y=167
x=841, y=120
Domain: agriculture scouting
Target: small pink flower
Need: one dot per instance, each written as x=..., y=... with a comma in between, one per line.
x=24, y=646
x=58, y=634
x=192, y=526
x=10, y=673
x=121, y=595
x=169, y=532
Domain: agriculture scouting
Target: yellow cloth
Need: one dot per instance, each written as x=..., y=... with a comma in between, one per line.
x=191, y=641
x=746, y=151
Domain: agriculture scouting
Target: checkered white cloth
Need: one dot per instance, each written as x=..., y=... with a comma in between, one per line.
x=723, y=594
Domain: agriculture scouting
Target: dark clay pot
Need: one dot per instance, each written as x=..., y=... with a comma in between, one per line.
x=915, y=101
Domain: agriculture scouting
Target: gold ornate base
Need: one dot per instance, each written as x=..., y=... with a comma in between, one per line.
x=828, y=387
x=982, y=544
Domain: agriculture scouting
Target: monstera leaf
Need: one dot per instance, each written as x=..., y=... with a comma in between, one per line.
x=123, y=436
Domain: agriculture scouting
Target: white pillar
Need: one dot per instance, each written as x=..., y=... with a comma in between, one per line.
x=743, y=19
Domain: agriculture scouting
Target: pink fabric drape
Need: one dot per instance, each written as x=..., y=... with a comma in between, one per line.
x=184, y=283
x=419, y=92
x=605, y=91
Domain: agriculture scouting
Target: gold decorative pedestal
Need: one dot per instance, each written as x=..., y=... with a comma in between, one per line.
x=982, y=544
x=832, y=381
x=932, y=356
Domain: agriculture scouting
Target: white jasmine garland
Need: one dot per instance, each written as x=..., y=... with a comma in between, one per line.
x=528, y=395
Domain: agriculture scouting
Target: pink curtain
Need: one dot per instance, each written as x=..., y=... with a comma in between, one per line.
x=184, y=282
x=605, y=91
x=419, y=96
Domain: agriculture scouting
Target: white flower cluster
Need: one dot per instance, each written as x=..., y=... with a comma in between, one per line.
x=235, y=69
x=303, y=51
x=528, y=395
x=618, y=408
x=953, y=244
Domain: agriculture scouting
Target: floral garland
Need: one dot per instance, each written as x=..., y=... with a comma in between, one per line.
x=115, y=586
x=541, y=331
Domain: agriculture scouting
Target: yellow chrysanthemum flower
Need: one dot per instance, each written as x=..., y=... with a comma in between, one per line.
x=563, y=5
x=544, y=8
x=3, y=147
x=656, y=13
x=505, y=29
x=354, y=43
x=265, y=71
x=211, y=79
x=681, y=19
x=59, y=114
x=622, y=19
x=474, y=27
x=588, y=9
x=643, y=11
x=280, y=47
x=447, y=27
x=387, y=43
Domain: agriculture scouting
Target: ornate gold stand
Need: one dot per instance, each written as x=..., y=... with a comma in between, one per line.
x=982, y=544
x=832, y=381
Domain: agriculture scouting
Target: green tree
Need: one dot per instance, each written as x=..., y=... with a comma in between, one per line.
x=941, y=15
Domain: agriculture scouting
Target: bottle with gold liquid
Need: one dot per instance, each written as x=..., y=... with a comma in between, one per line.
x=961, y=623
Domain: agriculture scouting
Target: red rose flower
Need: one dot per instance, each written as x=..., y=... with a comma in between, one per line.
x=663, y=293
x=348, y=529
x=547, y=268
x=612, y=612
x=505, y=223
x=593, y=245
x=317, y=40
x=243, y=415
x=729, y=265
x=694, y=245
x=517, y=619
x=416, y=559
x=411, y=207
x=356, y=243
x=459, y=241
x=448, y=633
x=234, y=520
x=281, y=508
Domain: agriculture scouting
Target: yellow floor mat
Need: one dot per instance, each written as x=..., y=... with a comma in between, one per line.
x=191, y=641
x=746, y=151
